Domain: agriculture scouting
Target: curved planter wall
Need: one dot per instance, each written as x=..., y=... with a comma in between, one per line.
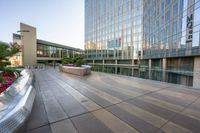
x=16, y=103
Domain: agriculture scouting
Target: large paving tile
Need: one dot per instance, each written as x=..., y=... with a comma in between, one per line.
x=88, y=123
x=149, y=117
x=113, y=123
x=43, y=129
x=71, y=106
x=133, y=120
x=162, y=103
x=97, y=99
x=185, y=90
x=111, y=90
x=196, y=105
x=169, y=99
x=64, y=126
x=94, y=90
x=47, y=95
x=38, y=115
x=193, y=111
x=187, y=122
x=83, y=100
x=129, y=92
x=125, y=86
x=54, y=110
x=133, y=83
x=174, y=128
x=179, y=95
x=94, y=97
x=153, y=108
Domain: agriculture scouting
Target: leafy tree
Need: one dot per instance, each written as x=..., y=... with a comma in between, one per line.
x=7, y=50
x=4, y=50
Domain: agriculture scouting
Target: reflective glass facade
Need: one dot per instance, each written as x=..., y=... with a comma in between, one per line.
x=113, y=28
x=52, y=50
x=155, y=39
x=132, y=29
x=171, y=28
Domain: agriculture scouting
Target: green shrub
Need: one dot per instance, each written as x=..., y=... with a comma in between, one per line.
x=3, y=64
x=78, y=60
x=8, y=71
x=66, y=60
x=1, y=79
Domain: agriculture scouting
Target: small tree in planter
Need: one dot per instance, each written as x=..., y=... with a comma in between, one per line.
x=66, y=60
x=79, y=60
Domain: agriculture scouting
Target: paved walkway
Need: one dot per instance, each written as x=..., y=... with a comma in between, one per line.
x=105, y=103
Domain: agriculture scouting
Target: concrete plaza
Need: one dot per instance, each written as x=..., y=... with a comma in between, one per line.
x=105, y=103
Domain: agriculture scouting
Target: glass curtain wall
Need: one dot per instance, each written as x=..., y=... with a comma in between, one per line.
x=55, y=52
x=113, y=29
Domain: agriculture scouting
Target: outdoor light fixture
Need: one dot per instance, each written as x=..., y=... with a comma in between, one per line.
x=23, y=31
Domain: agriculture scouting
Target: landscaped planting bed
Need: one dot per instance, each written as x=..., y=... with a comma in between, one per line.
x=7, y=77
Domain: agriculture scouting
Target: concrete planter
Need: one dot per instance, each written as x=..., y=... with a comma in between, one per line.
x=80, y=71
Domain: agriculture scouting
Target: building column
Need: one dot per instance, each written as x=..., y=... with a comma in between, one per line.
x=103, y=62
x=132, y=62
x=164, y=64
x=196, y=77
x=150, y=68
x=115, y=66
x=29, y=43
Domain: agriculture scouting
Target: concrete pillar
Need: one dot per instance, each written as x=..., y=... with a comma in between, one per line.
x=115, y=66
x=164, y=65
x=29, y=44
x=196, y=77
x=132, y=62
x=150, y=68
x=103, y=62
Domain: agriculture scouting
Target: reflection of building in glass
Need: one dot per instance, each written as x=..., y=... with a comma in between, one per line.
x=35, y=51
x=48, y=51
x=158, y=39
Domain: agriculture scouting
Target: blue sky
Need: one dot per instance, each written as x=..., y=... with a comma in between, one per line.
x=59, y=21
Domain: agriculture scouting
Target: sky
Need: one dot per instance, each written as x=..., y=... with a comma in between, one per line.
x=59, y=21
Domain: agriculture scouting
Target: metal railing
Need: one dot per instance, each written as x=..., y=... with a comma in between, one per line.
x=144, y=72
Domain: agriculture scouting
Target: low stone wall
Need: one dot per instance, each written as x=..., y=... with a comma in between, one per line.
x=16, y=103
x=80, y=71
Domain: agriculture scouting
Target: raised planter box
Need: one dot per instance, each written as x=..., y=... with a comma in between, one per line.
x=16, y=103
x=80, y=71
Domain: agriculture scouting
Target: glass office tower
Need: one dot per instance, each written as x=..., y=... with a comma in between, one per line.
x=154, y=39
